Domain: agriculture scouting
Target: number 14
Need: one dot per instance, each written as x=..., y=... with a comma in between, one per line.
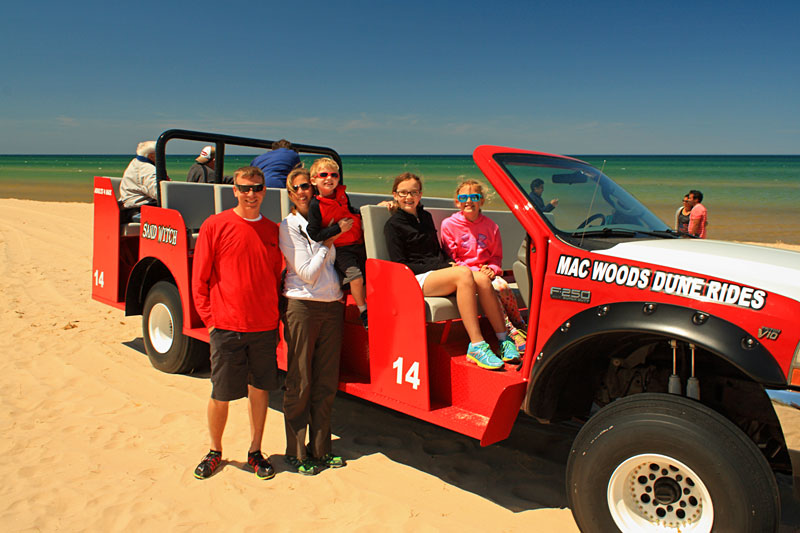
x=412, y=376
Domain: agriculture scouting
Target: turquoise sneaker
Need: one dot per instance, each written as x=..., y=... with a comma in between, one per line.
x=509, y=351
x=482, y=355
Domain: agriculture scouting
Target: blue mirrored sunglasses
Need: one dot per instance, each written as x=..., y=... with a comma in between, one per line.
x=475, y=197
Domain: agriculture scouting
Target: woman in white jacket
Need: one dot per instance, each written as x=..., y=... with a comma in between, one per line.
x=313, y=332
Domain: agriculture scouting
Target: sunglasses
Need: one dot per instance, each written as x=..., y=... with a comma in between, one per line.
x=248, y=188
x=302, y=187
x=475, y=197
x=326, y=174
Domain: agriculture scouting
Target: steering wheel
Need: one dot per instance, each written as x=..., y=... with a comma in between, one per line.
x=592, y=218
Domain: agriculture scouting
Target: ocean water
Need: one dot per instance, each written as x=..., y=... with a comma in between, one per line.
x=749, y=198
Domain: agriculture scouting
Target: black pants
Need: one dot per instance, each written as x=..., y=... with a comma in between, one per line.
x=313, y=335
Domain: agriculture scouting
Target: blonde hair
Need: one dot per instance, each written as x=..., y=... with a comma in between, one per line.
x=299, y=171
x=323, y=162
x=482, y=189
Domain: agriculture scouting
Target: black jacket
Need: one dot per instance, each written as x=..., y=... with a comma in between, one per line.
x=538, y=202
x=413, y=241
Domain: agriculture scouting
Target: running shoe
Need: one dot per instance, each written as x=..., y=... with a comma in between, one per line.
x=519, y=338
x=331, y=461
x=208, y=465
x=307, y=466
x=260, y=465
x=364, y=320
x=509, y=351
x=482, y=355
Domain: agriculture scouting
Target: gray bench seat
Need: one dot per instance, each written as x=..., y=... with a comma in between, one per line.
x=442, y=308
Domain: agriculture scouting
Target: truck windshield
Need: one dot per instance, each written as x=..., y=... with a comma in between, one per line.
x=578, y=201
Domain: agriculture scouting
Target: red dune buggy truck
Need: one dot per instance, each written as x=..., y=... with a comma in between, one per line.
x=679, y=357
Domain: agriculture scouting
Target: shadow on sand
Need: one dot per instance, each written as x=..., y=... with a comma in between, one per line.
x=524, y=472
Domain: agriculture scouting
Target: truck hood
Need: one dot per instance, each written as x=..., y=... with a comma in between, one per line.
x=760, y=267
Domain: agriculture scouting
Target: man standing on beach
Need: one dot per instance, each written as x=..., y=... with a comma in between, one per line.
x=698, y=217
x=138, y=186
x=235, y=281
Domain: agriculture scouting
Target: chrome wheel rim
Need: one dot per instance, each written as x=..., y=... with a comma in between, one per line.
x=653, y=492
x=160, y=328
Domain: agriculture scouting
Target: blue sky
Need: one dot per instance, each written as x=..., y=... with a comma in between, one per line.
x=378, y=77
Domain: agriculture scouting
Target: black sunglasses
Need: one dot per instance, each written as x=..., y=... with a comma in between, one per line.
x=303, y=186
x=248, y=188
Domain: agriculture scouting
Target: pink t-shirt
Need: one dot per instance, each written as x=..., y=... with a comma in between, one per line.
x=698, y=218
x=473, y=244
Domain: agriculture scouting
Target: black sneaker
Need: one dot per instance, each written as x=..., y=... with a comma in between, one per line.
x=364, y=318
x=208, y=465
x=261, y=466
x=307, y=466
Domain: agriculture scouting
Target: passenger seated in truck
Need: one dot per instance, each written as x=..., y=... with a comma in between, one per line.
x=139, y=186
x=277, y=163
x=411, y=240
x=537, y=188
x=204, y=170
x=329, y=214
x=473, y=240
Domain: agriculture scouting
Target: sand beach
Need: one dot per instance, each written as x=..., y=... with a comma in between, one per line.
x=96, y=439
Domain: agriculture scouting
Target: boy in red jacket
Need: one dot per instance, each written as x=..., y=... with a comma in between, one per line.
x=329, y=214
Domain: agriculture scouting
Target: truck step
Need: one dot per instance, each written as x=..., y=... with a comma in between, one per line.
x=476, y=388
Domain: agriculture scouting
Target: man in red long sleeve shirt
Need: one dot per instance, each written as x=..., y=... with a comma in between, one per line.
x=235, y=281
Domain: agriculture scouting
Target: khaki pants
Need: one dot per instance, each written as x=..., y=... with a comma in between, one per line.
x=313, y=335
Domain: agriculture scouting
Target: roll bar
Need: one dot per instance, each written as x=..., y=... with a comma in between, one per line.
x=221, y=140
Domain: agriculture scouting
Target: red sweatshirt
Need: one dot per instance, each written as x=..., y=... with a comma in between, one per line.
x=325, y=213
x=236, y=273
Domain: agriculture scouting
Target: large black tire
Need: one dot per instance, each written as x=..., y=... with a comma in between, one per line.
x=167, y=347
x=654, y=460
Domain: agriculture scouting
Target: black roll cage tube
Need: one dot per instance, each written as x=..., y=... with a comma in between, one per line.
x=220, y=140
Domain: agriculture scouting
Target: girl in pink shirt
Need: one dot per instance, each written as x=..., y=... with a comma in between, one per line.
x=473, y=240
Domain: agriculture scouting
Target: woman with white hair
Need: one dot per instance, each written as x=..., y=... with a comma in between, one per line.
x=139, y=186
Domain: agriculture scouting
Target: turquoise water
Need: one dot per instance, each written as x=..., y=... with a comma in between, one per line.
x=748, y=197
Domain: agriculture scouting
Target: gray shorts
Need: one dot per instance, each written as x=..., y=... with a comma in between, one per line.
x=350, y=260
x=241, y=359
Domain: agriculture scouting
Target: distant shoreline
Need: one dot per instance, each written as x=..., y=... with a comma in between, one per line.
x=749, y=198
x=773, y=243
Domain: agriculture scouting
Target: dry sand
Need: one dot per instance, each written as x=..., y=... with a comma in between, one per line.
x=96, y=439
